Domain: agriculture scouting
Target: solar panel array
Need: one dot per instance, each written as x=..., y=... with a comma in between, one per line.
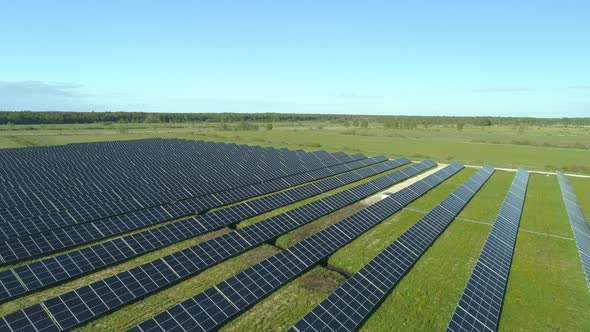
x=26, y=245
x=211, y=308
x=578, y=221
x=481, y=302
x=84, y=304
x=352, y=303
x=134, y=175
x=32, y=277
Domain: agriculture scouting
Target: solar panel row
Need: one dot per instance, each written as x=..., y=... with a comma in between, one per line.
x=211, y=308
x=87, y=303
x=136, y=162
x=79, y=214
x=144, y=184
x=160, y=182
x=74, y=166
x=86, y=209
x=16, y=249
x=25, y=279
x=578, y=221
x=352, y=303
x=481, y=302
x=62, y=218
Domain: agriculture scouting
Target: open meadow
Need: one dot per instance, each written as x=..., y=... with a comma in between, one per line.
x=535, y=148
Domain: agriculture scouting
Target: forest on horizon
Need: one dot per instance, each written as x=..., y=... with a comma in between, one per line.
x=390, y=121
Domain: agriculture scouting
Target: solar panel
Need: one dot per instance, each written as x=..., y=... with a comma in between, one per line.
x=352, y=303
x=85, y=183
x=103, y=182
x=481, y=302
x=61, y=268
x=88, y=208
x=211, y=308
x=70, y=310
x=20, y=248
x=578, y=221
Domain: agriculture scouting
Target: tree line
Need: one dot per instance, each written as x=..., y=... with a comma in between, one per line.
x=393, y=122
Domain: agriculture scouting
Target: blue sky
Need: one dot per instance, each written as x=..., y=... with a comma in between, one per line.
x=508, y=58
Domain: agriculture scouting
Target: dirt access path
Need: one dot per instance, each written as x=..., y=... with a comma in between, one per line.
x=399, y=186
x=514, y=170
x=377, y=197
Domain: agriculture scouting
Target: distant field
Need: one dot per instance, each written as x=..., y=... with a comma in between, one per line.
x=536, y=148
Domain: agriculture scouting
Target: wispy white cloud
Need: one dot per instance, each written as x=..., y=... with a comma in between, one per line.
x=43, y=96
x=355, y=95
x=580, y=87
x=37, y=89
x=503, y=89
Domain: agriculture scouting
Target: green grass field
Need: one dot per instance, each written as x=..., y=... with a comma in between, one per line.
x=537, y=148
x=546, y=280
x=546, y=288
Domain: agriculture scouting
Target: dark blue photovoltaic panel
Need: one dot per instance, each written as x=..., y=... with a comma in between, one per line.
x=43, y=243
x=481, y=302
x=22, y=321
x=77, y=190
x=138, y=282
x=579, y=223
x=352, y=303
x=64, y=206
x=58, y=269
x=251, y=285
